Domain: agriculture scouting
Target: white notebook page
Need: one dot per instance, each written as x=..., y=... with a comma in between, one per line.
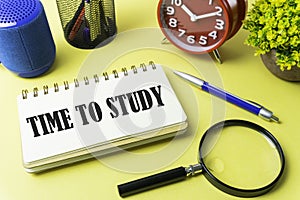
x=97, y=112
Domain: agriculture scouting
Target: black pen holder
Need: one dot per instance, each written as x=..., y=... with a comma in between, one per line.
x=87, y=24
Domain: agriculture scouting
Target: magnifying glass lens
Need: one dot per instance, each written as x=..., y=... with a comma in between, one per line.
x=241, y=157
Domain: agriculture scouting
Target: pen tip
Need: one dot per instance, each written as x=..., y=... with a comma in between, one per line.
x=275, y=119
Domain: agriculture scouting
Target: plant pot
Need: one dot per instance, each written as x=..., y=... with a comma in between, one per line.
x=269, y=59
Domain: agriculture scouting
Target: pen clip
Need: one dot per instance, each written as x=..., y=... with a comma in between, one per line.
x=254, y=103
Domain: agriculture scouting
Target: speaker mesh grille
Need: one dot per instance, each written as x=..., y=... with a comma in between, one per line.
x=14, y=12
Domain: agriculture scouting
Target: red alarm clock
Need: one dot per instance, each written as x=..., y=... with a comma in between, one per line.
x=199, y=26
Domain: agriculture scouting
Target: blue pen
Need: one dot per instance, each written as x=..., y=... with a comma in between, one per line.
x=247, y=105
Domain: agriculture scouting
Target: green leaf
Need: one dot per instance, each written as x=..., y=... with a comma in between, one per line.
x=274, y=24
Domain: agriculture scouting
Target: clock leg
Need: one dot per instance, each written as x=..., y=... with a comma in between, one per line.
x=165, y=41
x=217, y=56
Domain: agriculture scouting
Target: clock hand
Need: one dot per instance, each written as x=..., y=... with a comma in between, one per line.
x=189, y=12
x=206, y=15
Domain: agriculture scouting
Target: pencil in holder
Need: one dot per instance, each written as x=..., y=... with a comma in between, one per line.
x=87, y=24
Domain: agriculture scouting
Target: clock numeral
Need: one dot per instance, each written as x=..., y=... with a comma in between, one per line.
x=176, y=2
x=191, y=39
x=213, y=35
x=203, y=40
x=219, y=24
x=170, y=10
x=181, y=32
x=173, y=22
x=220, y=10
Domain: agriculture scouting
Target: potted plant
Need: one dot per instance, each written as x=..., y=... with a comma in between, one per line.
x=274, y=27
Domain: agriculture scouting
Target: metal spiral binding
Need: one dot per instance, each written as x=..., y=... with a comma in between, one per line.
x=134, y=69
x=45, y=87
x=24, y=94
x=76, y=82
x=115, y=72
x=144, y=67
x=87, y=80
x=56, y=87
x=105, y=74
x=66, y=85
x=96, y=77
x=35, y=92
x=125, y=72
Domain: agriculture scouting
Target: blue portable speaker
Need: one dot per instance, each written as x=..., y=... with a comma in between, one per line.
x=26, y=44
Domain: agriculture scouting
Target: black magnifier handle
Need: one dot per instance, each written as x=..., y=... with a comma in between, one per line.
x=157, y=180
x=151, y=182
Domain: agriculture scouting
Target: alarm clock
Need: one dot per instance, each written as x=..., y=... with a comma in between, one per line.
x=200, y=26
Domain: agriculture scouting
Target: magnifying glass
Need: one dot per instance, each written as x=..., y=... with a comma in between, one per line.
x=238, y=157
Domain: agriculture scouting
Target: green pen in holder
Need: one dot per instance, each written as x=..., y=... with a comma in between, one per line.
x=87, y=24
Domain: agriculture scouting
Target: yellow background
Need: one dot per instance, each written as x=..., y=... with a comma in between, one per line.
x=241, y=73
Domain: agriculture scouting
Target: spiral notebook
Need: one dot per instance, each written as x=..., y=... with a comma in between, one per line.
x=71, y=122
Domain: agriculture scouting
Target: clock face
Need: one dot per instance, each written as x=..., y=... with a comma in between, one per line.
x=195, y=26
